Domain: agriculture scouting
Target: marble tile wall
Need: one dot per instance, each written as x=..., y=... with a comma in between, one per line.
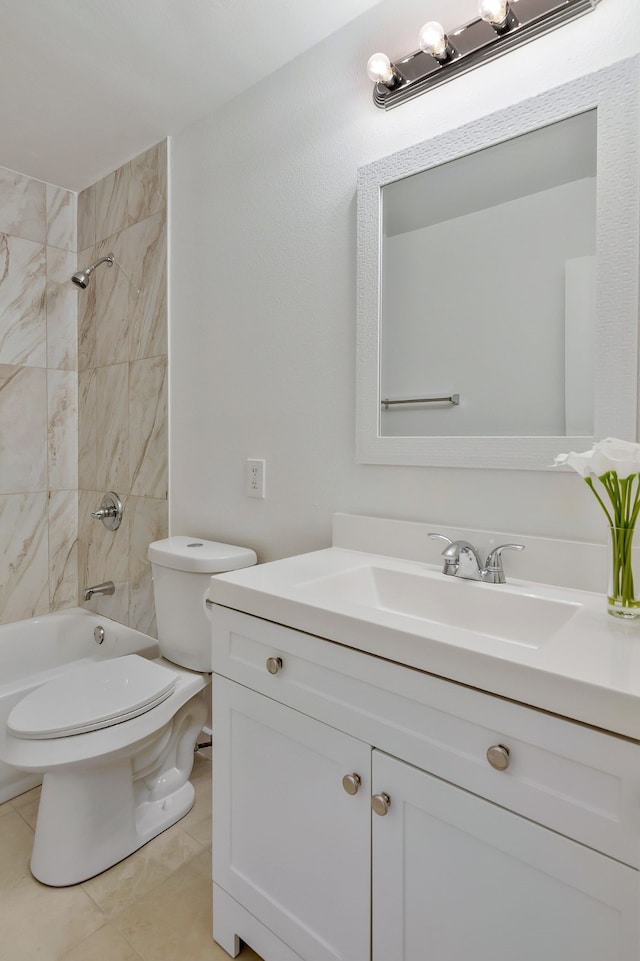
x=122, y=381
x=83, y=389
x=38, y=398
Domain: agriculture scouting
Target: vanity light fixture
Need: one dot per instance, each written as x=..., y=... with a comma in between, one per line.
x=499, y=14
x=501, y=26
x=380, y=70
x=434, y=41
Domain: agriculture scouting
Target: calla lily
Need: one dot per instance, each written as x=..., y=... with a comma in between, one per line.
x=616, y=465
x=620, y=456
x=580, y=462
x=611, y=454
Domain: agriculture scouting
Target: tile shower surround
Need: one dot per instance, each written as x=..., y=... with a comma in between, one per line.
x=83, y=389
x=38, y=398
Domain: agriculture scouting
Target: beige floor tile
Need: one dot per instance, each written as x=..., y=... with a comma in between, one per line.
x=35, y=920
x=30, y=812
x=202, y=864
x=174, y=922
x=200, y=829
x=6, y=808
x=106, y=944
x=26, y=804
x=16, y=842
x=192, y=938
x=27, y=798
x=117, y=888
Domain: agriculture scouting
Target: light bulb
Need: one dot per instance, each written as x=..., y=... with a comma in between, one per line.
x=433, y=40
x=493, y=11
x=379, y=68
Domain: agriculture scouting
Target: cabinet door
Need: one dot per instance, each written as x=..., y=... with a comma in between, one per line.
x=290, y=844
x=456, y=877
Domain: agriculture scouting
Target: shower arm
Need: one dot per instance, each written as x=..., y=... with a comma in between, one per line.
x=109, y=259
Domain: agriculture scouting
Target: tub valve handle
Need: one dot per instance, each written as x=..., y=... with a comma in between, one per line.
x=110, y=511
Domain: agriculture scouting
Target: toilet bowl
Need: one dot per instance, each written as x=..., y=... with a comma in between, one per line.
x=115, y=739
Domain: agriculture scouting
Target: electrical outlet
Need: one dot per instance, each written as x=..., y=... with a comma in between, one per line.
x=255, y=478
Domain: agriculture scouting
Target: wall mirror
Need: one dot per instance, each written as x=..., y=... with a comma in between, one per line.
x=498, y=284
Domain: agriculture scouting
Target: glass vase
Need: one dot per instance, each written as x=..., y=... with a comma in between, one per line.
x=624, y=573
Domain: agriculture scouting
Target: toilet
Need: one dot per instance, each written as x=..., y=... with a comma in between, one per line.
x=114, y=739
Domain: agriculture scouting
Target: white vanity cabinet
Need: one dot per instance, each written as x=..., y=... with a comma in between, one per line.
x=291, y=845
x=424, y=850
x=457, y=877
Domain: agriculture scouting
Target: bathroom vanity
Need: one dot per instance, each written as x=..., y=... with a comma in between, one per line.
x=393, y=786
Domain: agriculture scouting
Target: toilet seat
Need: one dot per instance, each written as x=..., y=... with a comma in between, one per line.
x=91, y=697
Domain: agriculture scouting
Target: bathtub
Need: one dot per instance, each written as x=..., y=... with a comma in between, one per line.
x=37, y=649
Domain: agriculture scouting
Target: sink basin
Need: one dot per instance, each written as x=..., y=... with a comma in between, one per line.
x=501, y=611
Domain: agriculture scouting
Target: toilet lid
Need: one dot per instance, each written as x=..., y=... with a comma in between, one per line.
x=91, y=697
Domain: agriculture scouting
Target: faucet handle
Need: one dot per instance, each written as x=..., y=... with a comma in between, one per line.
x=450, y=563
x=494, y=562
x=440, y=537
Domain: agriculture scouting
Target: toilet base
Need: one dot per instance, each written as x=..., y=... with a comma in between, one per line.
x=92, y=816
x=71, y=849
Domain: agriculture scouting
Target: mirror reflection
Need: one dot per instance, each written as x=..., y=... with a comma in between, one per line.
x=488, y=290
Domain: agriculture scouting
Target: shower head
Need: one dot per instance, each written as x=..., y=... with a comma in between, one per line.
x=82, y=277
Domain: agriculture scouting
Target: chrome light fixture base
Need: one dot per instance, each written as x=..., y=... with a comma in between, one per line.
x=474, y=44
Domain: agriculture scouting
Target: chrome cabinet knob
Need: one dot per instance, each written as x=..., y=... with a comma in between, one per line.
x=380, y=804
x=274, y=665
x=351, y=783
x=498, y=757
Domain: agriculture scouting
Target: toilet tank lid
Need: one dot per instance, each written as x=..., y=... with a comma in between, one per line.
x=199, y=556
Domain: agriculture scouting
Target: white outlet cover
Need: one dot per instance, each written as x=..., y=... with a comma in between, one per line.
x=254, y=478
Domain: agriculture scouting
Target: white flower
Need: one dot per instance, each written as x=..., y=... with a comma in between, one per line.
x=611, y=454
x=580, y=462
x=620, y=456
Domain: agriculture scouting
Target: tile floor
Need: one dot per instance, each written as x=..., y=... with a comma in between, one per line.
x=154, y=906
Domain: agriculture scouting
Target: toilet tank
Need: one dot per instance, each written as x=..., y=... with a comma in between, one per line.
x=181, y=568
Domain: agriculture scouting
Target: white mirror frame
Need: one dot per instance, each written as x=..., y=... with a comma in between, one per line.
x=615, y=92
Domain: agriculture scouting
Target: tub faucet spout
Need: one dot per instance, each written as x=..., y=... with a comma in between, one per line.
x=107, y=588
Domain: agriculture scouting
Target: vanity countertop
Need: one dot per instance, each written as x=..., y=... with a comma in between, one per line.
x=584, y=666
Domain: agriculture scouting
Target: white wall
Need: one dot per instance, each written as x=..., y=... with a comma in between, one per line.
x=263, y=282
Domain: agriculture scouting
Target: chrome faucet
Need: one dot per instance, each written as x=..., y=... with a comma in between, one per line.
x=107, y=588
x=461, y=559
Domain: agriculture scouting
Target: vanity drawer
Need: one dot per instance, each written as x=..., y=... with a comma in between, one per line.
x=581, y=782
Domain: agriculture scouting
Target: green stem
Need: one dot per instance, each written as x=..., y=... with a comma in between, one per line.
x=589, y=481
x=622, y=591
x=624, y=497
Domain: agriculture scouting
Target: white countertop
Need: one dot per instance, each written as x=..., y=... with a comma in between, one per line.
x=588, y=670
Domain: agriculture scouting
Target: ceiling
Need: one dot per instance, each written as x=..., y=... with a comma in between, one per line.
x=88, y=84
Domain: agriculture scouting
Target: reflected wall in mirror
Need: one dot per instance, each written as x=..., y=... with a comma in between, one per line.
x=511, y=228
x=498, y=266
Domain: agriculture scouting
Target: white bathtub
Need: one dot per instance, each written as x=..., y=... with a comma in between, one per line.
x=35, y=650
